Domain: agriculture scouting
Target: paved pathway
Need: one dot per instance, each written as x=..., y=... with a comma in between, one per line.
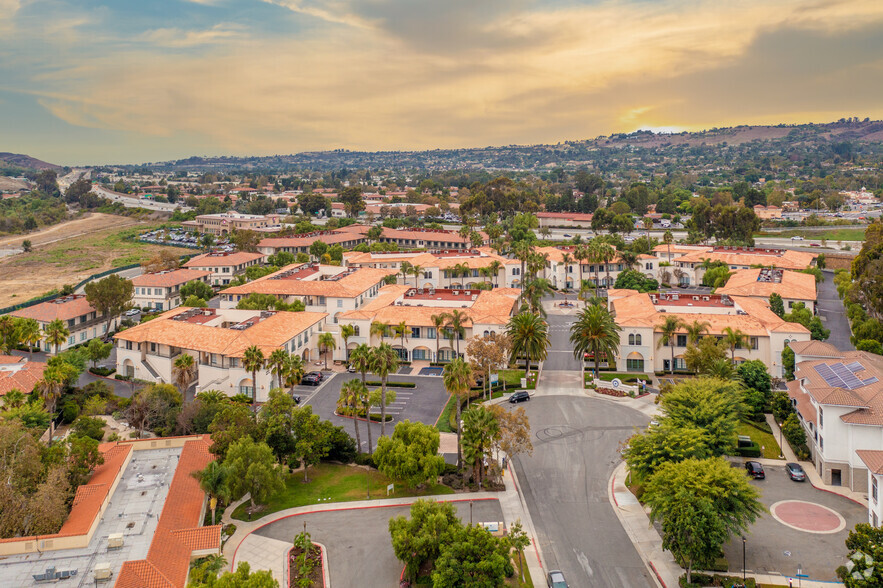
x=833, y=314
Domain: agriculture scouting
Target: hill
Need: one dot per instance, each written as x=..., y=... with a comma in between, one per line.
x=26, y=162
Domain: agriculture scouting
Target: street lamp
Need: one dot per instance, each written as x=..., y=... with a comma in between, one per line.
x=781, y=450
x=743, y=560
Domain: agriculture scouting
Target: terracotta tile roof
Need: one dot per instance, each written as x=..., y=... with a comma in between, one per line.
x=814, y=348
x=178, y=533
x=169, y=279
x=787, y=259
x=683, y=249
x=427, y=235
x=64, y=308
x=350, y=285
x=804, y=404
x=223, y=259
x=794, y=285
x=868, y=399
x=873, y=459
x=24, y=378
x=268, y=334
x=329, y=239
x=422, y=259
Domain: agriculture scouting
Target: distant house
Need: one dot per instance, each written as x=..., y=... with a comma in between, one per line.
x=162, y=290
x=224, y=223
x=224, y=266
x=83, y=321
x=767, y=212
x=565, y=219
x=17, y=372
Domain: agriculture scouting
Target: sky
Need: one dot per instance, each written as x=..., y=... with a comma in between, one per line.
x=134, y=81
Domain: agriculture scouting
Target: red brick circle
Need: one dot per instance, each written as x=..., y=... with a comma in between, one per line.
x=807, y=516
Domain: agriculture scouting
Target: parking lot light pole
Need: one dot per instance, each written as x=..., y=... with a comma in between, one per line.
x=781, y=449
x=743, y=561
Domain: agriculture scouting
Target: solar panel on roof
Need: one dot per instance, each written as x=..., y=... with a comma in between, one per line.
x=869, y=381
x=855, y=366
x=849, y=379
x=828, y=375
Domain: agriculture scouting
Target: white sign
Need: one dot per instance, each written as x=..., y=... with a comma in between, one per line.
x=495, y=378
x=390, y=489
x=616, y=382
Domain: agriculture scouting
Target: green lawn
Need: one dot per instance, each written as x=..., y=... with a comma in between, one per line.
x=334, y=483
x=762, y=438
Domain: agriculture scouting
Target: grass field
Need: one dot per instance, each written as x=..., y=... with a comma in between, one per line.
x=832, y=234
x=59, y=259
x=334, y=483
x=762, y=438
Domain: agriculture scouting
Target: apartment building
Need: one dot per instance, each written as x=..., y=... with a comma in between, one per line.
x=302, y=243
x=82, y=321
x=838, y=396
x=217, y=340
x=162, y=290
x=760, y=283
x=640, y=316
x=563, y=270
x=328, y=289
x=488, y=312
x=224, y=266
x=689, y=268
x=224, y=223
x=565, y=219
x=427, y=239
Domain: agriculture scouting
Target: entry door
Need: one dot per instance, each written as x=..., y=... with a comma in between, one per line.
x=835, y=478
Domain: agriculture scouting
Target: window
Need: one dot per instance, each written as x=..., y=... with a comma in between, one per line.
x=427, y=275
x=339, y=303
x=72, y=340
x=71, y=322
x=415, y=332
x=681, y=341
x=247, y=390
x=821, y=443
x=753, y=342
x=631, y=339
x=874, y=489
x=634, y=365
x=680, y=364
x=637, y=339
x=356, y=330
x=516, y=271
x=430, y=333
x=419, y=354
x=153, y=347
x=234, y=362
x=821, y=417
x=83, y=336
x=475, y=273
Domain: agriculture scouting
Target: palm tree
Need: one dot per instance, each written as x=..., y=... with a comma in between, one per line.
x=493, y=269
x=212, y=397
x=29, y=331
x=13, y=399
x=438, y=323
x=294, y=371
x=384, y=361
x=529, y=336
x=457, y=377
x=580, y=252
x=56, y=333
x=360, y=359
x=629, y=259
x=668, y=328
x=566, y=260
x=416, y=270
x=586, y=286
x=667, y=238
x=482, y=429
x=405, y=270
x=49, y=388
x=648, y=224
x=605, y=254
x=379, y=329
x=463, y=271
x=252, y=361
x=326, y=342
x=735, y=338
x=184, y=372
x=404, y=331
x=534, y=291
x=346, y=331
x=695, y=330
x=278, y=364
x=595, y=332
x=213, y=481
x=522, y=250
x=351, y=395
x=456, y=324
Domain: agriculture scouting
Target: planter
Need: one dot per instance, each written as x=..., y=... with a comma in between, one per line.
x=316, y=575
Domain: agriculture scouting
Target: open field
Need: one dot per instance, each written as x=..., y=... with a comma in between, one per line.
x=68, y=252
x=833, y=234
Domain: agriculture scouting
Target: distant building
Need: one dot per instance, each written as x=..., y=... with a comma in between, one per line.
x=565, y=219
x=80, y=318
x=224, y=266
x=760, y=283
x=162, y=290
x=301, y=243
x=224, y=223
x=768, y=212
x=689, y=268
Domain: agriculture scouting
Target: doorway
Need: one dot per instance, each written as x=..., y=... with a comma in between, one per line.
x=836, y=478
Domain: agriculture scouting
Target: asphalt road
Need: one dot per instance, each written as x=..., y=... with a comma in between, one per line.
x=833, y=314
x=136, y=202
x=359, y=548
x=772, y=547
x=423, y=403
x=560, y=356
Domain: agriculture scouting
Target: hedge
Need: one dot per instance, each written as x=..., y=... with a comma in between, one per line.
x=101, y=371
x=751, y=451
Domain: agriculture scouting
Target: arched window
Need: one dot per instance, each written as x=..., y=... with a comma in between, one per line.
x=355, y=330
x=631, y=339
x=487, y=333
x=637, y=339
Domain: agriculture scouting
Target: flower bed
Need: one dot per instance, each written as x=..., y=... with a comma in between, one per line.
x=611, y=392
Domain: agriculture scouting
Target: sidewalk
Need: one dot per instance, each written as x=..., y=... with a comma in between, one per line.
x=270, y=554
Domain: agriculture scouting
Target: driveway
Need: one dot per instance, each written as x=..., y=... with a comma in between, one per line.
x=773, y=547
x=423, y=403
x=833, y=314
x=576, y=447
x=560, y=357
x=359, y=548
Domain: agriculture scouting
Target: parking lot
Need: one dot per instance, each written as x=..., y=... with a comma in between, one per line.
x=423, y=403
x=773, y=547
x=181, y=238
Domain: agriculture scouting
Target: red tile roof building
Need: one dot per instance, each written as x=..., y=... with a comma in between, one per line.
x=18, y=372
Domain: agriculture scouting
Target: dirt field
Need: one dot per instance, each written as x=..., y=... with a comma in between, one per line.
x=67, y=253
x=7, y=183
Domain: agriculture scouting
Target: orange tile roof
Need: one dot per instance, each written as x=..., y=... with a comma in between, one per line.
x=169, y=279
x=787, y=259
x=268, y=334
x=873, y=459
x=868, y=399
x=814, y=348
x=64, y=308
x=223, y=260
x=177, y=533
x=350, y=285
x=794, y=285
x=24, y=378
x=576, y=216
x=804, y=404
x=328, y=239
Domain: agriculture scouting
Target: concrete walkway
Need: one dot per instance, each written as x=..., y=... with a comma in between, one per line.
x=264, y=553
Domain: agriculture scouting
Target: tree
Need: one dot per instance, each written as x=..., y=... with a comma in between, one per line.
x=777, y=305
x=514, y=437
x=379, y=329
x=351, y=196
x=26, y=246
x=214, y=481
x=164, y=260
x=154, y=406
x=669, y=326
x=278, y=364
x=419, y=539
x=661, y=444
x=252, y=361
x=86, y=426
x=457, y=377
x=864, y=568
x=246, y=240
x=695, y=330
x=310, y=438
x=481, y=431
x=473, y=557
x=352, y=394
x=701, y=503
x=29, y=333
x=529, y=336
x=253, y=470
x=184, y=372
x=634, y=280
x=456, y=324
x=709, y=404
x=56, y=333
x=83, y=457
x=197, y=288
x=518, y=540
x=346, y=331
x=384, y=361
x=802, y=315
x=327, y=344
x=234, y=422
x=595, y=332
x=110, y=296
x=486, y=354
x=411, y=455
x=438, y=323
x=243, y=577
x=318, y=249
x=96, y=350
x=704, y=356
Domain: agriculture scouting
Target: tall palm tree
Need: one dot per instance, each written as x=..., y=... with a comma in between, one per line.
x=695, y=330
x=360, y=359
x=278, y=364
x=56, y=333
x=606, y=253
x=252, y=361
x=529, y=336
x=416, y=270
x=580, y=253
x=668, y=328
x=532, y=296
x=648, y=224
x=566, y=260
x=456, y=324
x=493, y=269
x=213, y=480
x=50, y=388
x=482, y=429
x=667, y=238
x=351, y=394
x=294, y=371
x=457, y=377
x=595, y=331
x=184, y=370
x=629, y=259
x=384, y=361
x=404, y=331
x=735, y=338
x=438, y=323
x=379, y=329
x=346, y=331
x=326, y=342
x=464, y=271
x=522, y=251
x=29, y=331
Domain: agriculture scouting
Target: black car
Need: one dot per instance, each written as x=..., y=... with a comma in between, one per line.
x=520, y=396
x=795, y=472
x=311, y=379
x=755, y=470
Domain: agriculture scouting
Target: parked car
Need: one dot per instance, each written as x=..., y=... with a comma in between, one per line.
x=814, y=245
x=567, y=235
x=133, y=312
x=311, y=379
x=520, y=396
x=556, y=579
x=795, y=472
x=755, y=470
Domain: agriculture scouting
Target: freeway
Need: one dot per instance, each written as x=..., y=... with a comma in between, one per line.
x=135, y=202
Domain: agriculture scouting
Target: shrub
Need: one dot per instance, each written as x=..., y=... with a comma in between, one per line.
x=342, y=447
x=101, y=371
x=89, y=427
x=752, y=450
x=70, y=411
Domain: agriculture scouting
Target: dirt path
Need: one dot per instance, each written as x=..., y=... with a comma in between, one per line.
x=88, y=223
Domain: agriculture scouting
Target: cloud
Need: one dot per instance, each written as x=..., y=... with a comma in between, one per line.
x=180, y=38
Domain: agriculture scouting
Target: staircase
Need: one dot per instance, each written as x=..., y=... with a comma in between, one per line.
x=150, y=369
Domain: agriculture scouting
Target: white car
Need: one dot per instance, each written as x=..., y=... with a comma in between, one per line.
x=797, y=238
